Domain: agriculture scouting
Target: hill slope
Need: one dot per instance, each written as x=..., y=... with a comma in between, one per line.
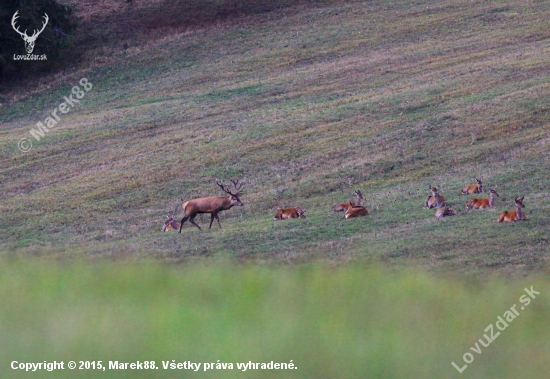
x=305, y=104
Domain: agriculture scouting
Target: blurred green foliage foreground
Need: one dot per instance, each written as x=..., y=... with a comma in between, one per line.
x=344, y=322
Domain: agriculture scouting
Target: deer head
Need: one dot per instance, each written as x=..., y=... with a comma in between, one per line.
x=519, y=202
x=170, y=224
x=479, y=183
x=233, y=197
x=29, y=40
x=359, y=197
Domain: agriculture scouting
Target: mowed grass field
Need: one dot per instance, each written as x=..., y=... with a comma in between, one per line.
x=345, y=322
x=305, y=105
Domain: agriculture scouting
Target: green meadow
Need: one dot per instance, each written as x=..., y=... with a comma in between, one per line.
x=305, y=104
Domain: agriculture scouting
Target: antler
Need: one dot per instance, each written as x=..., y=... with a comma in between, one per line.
x=15, y=17
x=24, y=34
x=236, y=183
x=224, y=188
x=36, y=33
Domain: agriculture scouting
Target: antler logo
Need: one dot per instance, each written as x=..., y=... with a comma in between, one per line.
x=29, y=40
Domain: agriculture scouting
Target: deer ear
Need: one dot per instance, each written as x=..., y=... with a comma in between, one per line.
x=521, y=198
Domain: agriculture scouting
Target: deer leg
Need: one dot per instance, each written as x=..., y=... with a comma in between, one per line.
x=211, y=220
x=192, y=221
x=217, y=218
x=182, y=221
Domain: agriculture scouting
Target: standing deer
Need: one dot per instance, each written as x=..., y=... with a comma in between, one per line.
x=512, y=216
x=435, y=200
x=212, y=205
x=356, y=210
x=473, y=188
x=446, y=211
x=170, y=224
x=483, y=203
x=285, y=214
x=29, y=40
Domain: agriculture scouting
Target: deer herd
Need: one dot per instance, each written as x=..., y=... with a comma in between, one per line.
x=435, y=200
x=353, y=208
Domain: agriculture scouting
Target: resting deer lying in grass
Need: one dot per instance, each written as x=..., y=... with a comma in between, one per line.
x=356, y=210
x=473, y=188
x=170, y=224
x=443, y=212
x=435, y=200
x=342, y=207
x=285, y=214
x=512, y=216
x=212, y=205
x=483, y=203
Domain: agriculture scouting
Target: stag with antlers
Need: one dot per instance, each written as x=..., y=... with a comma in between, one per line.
x=212, y=205
x=29, y=40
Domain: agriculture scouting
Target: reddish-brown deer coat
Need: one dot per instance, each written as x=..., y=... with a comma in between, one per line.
x=512, y=216
x=435, y=200
x=483, y=203
x=212, y=205
x=473, y=188
x=356, y=210
x=285, y=214
x=170, y=224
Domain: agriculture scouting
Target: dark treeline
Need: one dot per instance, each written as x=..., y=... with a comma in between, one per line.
x=64, y=45
x=52, y=41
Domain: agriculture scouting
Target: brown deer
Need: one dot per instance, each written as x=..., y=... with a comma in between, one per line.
x=435, y=200
x=512, y=216
x=356, y=210
x=212, y=205
x=342, y=207
x=446, y=211
x=285, y=214
x=170, y=224
x=483, y=203
x=473, y=188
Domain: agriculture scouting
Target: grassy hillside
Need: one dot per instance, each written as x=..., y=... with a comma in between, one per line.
x=331, y=323
x=305, y=104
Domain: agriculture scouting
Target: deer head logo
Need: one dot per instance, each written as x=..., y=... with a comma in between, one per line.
x=29, y=40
